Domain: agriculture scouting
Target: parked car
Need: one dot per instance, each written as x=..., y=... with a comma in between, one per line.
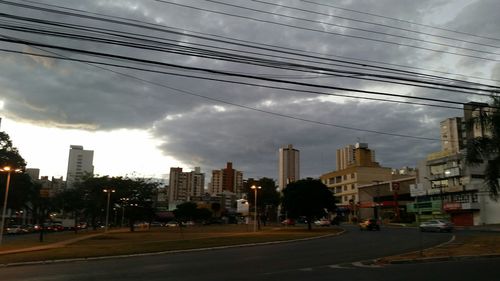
x=436, y=225
x=369, y=224
x=288, y=222
x=13, y=229
x=322, y=222
x=172, y=224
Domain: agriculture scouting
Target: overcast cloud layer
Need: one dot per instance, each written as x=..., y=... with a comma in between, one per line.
x=203, y=132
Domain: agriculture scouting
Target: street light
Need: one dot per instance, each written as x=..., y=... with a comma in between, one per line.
x=254, y=187
x=2, y=225
x=108, y=191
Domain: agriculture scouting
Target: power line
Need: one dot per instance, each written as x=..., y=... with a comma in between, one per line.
x=222, y=72
x=372, y=23
x=245, y=106
x=359, y=29
x=329, y=32
x=400, y=20
x=232, y=57
x=184, y=32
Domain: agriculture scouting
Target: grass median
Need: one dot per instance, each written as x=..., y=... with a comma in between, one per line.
x=157, y=240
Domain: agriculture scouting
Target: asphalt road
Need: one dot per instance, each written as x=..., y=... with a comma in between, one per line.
x=320, y=259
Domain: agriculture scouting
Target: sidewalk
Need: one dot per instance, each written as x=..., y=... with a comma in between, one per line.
x=58, y=244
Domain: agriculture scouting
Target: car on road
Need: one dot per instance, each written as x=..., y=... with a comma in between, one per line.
x=288, y=222
x=369, y=224
x=436, y=225
x=322, y=222
x=172, y=224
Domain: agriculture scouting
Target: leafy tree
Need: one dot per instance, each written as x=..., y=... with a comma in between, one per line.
x=266, y=196
x=22, y=189
x=487, y=146
x=137, y=193
x=309, y=198
x=9, y=155
x=186, y=211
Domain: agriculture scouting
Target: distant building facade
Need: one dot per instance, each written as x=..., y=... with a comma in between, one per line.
x=184, y=185
x=359, y=168
x=453, y=189
x=226, y=180
x=288, y=166
x=80, y=161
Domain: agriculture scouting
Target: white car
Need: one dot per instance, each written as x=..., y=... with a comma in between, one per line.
x=436, y=225
x=322, y=222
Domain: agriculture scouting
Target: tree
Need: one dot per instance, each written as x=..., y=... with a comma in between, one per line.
x=487, y=146
x=266, y=196
x=9, y=155
x=137, y=193
x=309, y=198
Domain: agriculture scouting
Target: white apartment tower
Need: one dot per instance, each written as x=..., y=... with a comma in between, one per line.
x=80, y=162
x=289, y=166
x=184, y=185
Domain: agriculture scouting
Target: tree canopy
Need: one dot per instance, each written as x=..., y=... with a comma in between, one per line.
x=309, y=198
x=9, y=155
x=487, y=146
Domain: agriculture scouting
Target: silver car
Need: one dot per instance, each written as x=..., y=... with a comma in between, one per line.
x=436, y=225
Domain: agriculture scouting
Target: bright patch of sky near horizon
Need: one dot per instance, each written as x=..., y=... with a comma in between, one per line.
x=116, y=153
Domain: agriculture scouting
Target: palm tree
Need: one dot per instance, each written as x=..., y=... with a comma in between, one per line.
x=486, y=146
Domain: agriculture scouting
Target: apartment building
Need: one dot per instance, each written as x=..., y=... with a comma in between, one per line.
x=184, y=185
x=358, y=169
x=80, y=162
x=453, y=189
x=288, y=166
x=226, y=180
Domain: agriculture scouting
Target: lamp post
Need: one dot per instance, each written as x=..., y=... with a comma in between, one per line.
x=254, y=187
x=2, y=225
x=108, y=191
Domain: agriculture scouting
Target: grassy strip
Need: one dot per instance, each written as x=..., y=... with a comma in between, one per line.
x=484, y=244
x=158, y=240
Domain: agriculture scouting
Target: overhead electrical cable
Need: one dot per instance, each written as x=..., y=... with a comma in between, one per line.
x=243, y=59
x=156, y=63
x=330, y=32
x=245, y=106
x=373, y=23
x=401, y=20
x=357, y=28
x=250, y=44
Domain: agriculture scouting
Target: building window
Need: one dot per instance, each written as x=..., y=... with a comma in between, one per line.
x=353, y=176
x=345, y=187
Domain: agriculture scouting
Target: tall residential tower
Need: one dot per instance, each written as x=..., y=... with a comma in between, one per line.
x=80, y=162
x=289, y=166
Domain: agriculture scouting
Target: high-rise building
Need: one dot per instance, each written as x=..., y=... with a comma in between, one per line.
x=226, y=180
x=80, y=162
x=452, y=138
x=359, y=168
x=289, y=166
x=184, y=185
x=345, y=157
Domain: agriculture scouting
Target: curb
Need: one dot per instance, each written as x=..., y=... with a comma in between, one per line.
x=165, y=252
x=448, y=258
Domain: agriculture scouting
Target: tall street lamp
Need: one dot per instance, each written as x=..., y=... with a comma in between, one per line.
x=254, y=187
x=108, y=191
x=2, y=225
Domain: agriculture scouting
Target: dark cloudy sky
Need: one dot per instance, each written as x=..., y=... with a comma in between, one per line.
x=145, y=122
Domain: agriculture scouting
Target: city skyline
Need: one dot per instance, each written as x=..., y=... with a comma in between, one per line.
x=142, y=122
